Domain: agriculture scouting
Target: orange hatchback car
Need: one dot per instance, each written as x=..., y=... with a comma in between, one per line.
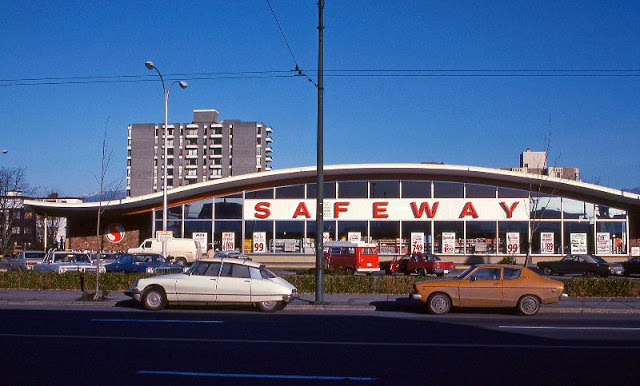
x=489, y=285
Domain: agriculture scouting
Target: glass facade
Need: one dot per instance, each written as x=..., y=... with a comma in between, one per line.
x=448, y=217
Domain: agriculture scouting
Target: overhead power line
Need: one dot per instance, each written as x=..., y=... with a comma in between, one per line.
x=336, y=73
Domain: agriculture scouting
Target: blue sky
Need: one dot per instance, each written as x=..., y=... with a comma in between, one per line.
x=54, y=131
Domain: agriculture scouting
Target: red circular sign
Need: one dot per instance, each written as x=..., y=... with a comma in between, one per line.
x=114, y=233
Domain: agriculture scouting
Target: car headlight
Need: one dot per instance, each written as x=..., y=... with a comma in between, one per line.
x=134, y=286
x=150, y=270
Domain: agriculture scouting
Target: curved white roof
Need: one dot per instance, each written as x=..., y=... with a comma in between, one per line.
x=396, y=171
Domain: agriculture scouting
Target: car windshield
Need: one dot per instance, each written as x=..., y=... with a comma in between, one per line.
x=597, y=259
x=465, y=272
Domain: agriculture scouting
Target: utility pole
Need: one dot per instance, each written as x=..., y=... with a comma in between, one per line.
x=320, y=165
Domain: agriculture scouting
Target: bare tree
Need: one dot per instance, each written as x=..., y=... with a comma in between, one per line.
x=12, y=184
x=105, y=163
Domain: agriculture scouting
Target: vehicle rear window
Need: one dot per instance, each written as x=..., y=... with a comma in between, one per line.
x=240, y=271
x=511, y=273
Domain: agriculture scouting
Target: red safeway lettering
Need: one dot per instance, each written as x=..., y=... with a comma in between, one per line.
x=509, y=210
x=380, y=210
x=468, y=210
x=262, y=210
x=424, y=206
x=338, y=207
x=301, y=210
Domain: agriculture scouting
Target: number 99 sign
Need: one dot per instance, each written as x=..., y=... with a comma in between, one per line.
x=259, y=242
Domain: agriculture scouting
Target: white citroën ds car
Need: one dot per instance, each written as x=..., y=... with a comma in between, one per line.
x=213, y=281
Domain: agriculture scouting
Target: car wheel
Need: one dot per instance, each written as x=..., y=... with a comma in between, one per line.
x=271, y=306
x=421, y=272
x=181, y=261
x=439, y=304
x=154, y=299
x=547, y=271
x=528, y=305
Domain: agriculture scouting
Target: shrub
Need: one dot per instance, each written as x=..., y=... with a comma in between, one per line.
x=602, y=287
x=508, y=260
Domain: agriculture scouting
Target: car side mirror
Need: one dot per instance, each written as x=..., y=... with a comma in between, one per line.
x=473, y=278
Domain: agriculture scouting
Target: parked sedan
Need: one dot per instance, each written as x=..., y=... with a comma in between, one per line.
x=631, y=266
x=65, y=261
x=25, y=260
x=143, y=262
x=489, y=285
x=418, y=263
x=213, y=281
x=587, y=265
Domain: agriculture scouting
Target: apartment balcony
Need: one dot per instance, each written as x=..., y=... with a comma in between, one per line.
x=268, y=139
x=191, y=146
x=268, y=159
x=268, y=168
x=214, y=135
x=194, y=166
x=216, y=145
x=191, y=156
x=268, y=149
x=268, y=129
x=191, y=177
x=215, y=155
x=215, y=166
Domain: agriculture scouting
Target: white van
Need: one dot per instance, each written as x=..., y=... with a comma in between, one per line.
x=181, y=251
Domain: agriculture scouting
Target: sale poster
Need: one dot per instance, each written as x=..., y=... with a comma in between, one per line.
x=228, y=241
x=417, y=242
x=259, y=242
x=203, y=239
x=448, y=242
x=578, y=243
x=354, y=237
x=603, y=242
x=547, y=242
x=513, y=242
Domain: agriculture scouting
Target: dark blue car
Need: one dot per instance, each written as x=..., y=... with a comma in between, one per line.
x=143, y=262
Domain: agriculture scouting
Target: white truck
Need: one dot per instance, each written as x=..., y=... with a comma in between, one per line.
x=180, y=251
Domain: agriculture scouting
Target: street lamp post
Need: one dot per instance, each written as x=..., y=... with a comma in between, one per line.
x=166, y=90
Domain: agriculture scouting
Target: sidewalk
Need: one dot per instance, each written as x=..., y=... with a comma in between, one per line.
x=336, y=302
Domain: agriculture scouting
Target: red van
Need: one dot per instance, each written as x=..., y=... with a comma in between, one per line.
x=355, y=257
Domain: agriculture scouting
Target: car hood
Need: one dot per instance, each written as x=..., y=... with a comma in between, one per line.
x=282, y=282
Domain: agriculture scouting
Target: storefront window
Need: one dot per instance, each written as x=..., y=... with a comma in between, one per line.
x=289, y=235
x=480, y=191
x=329, y=190
x=221, y=227
x=575, y=233
x=173, y=226
x=611, y=238
x=329, y=227
x=352, y=189
x=573, y=209
x=453, y=240
x=199, y=226
x=258, y=226
x=416, y=189
x=423, y=227
x=198, y=209
x=345, y=227
x=260, y=194
x=228, y=208
x=481, y=237
x=292, y=191
x=386, y=234
x=448, y=189
x=604, y=211
x=546, y=237
x=543, y=207
x=385, y=189
x=512, y=228
x=512, y=193
x=173, y=213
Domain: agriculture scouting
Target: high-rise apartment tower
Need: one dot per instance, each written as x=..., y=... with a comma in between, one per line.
x=202, y=150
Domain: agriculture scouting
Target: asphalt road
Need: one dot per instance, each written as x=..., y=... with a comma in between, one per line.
x=239, y=346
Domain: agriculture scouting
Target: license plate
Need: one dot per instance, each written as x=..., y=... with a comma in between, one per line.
x=368, y=264
x=446, y=271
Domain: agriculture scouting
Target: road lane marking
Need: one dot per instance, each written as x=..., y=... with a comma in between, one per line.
x=267, y=376
x=156, y=321
x=320, y=343
x=571, y=328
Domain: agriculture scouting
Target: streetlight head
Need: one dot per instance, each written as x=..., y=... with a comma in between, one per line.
x=149, y=65
x=182, y=84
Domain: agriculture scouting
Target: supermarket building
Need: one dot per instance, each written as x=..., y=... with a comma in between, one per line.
x=470, y=214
